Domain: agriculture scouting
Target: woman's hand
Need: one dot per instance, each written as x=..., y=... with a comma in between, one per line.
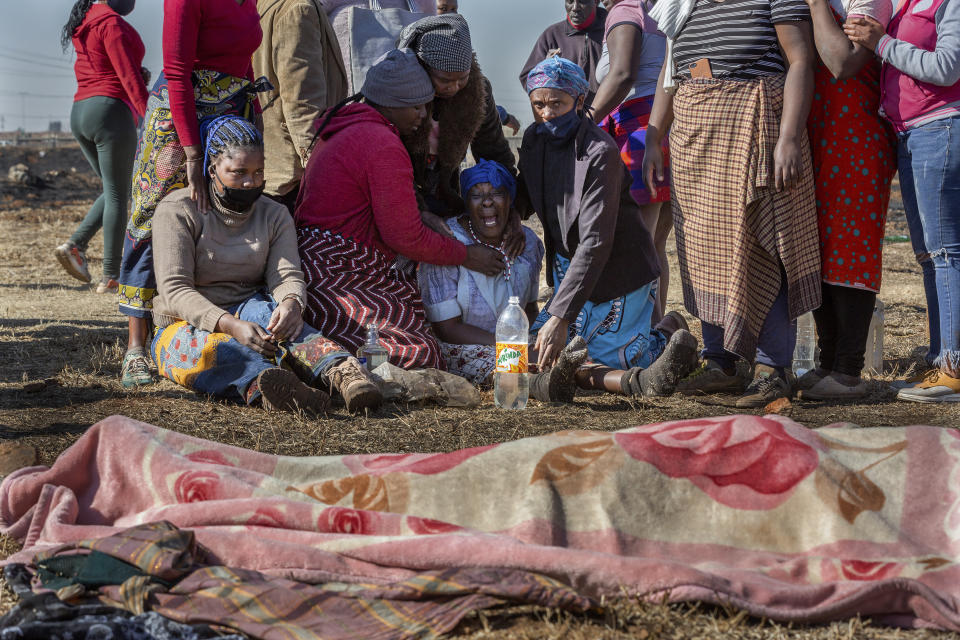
x=786, y=163
x=251, y=335
x=514, y=239
x=196, y=178
x=436, y=223
x=286, y=323
x=551, y=339
x=864, y=31
x=484, y=260
x=652, y=166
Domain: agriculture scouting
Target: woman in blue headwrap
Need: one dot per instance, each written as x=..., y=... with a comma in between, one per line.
x=600, y=256
x=230, y=292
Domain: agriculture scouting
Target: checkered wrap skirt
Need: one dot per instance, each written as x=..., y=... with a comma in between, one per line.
x=733, y=228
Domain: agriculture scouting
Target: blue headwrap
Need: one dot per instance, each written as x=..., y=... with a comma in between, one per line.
x=558, y=73
x=224, y=132
x=488, y=171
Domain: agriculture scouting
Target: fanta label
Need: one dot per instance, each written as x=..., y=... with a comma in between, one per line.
x=511, y=357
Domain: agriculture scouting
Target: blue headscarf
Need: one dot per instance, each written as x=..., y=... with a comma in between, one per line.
x=488, y=171
x=224, y=132
x=558, y=73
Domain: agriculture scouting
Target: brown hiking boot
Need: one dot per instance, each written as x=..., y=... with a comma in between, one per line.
x=355, y=384
x=767, y=386
x=282, y=390
x=678, y=359
x=558, y=384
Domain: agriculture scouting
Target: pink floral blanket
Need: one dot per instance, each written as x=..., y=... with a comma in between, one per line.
x=761, y=513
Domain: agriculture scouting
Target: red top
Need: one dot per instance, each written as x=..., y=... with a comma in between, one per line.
x=109, y=54
x=358, y=183
x=214, y=35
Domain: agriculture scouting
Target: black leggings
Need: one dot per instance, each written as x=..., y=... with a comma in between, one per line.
x=843, y=325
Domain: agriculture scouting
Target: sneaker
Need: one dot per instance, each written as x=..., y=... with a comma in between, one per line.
x=767, y=386
x=912, y=380
x=135, y=371
x=559, y=384
x=710, y=378
x=355, y=384
x=936, y=387
x=678, y=359
x=811, y=378
x=73, y=261
x=108, y=285
x=829, y=388
x=281, y=390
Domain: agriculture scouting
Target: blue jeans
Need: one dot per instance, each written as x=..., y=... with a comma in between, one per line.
x=929, y=166
x=776, y=341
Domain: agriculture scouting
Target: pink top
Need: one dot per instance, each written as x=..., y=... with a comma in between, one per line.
x=358, y=184
x=109, y=54
x=215, y=35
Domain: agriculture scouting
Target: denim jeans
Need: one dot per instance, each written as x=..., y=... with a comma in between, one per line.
x=776, y=341
x=929, y=165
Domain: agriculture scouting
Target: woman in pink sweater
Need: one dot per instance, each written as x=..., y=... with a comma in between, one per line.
x=111, y=96
x=207, y=48
x=359, y=225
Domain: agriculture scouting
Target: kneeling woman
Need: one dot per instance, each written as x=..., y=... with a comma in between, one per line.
x=230, y=291
x=358, y=212
x=601, y=258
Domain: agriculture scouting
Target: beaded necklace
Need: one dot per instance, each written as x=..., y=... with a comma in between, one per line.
x=506, y=260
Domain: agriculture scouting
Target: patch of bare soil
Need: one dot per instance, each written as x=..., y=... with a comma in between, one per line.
x=61, y=344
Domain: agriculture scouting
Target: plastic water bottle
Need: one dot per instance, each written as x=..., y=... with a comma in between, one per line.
x=371, y=353
x=511, y=386
x=805, y=353
x=873, y=358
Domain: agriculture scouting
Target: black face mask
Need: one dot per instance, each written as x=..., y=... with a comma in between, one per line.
x=123, y=7
x=234, y=199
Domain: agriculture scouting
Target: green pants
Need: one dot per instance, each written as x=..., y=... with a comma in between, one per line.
x=107, y=134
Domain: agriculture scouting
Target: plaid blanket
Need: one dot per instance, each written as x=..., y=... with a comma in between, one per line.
x=755, y=512
x=734, y=230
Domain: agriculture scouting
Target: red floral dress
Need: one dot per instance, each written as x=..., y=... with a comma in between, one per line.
x=854, y=159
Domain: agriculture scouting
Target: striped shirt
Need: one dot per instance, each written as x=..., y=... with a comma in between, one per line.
x=737, y=36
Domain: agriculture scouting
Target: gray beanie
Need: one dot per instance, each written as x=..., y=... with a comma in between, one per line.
x=443, y=42
x=397, y=79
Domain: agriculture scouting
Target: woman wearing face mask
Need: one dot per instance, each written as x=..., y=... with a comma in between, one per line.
x=358, y=212
x=231, y=293
x=600, y=256
x=207, y=49
x=111, y=96
x=463, y=114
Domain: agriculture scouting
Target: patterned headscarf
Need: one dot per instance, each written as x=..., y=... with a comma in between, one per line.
x=442, y=42
x=488, y=171
x=558, y=73
x=227, y=132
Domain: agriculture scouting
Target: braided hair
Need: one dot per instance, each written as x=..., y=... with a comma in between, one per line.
x=223, y=134
x=79, y=11
x=332, y=111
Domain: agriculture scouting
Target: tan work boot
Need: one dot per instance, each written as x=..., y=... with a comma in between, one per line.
x=282, y=390
x=355, y=384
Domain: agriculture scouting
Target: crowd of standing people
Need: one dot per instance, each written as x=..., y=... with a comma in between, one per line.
x=274, y=218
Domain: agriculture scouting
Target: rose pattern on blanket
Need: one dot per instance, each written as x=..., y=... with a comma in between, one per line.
x=724, y=509
x=744, y=465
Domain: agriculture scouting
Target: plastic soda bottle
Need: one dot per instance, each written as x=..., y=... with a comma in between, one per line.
x=805, y=353
x=873, y=358
x=511, y=387
x=371, y=353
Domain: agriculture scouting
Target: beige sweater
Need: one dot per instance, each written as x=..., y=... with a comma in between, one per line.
x=205, y=265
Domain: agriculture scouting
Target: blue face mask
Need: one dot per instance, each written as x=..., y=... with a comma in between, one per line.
x=562, y=127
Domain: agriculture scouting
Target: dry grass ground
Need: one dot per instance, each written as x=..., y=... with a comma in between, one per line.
x=54, y=329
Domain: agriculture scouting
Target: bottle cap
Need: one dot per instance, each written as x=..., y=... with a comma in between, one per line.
x=514, y=300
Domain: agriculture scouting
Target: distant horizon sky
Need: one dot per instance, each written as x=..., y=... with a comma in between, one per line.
x=37, y=83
